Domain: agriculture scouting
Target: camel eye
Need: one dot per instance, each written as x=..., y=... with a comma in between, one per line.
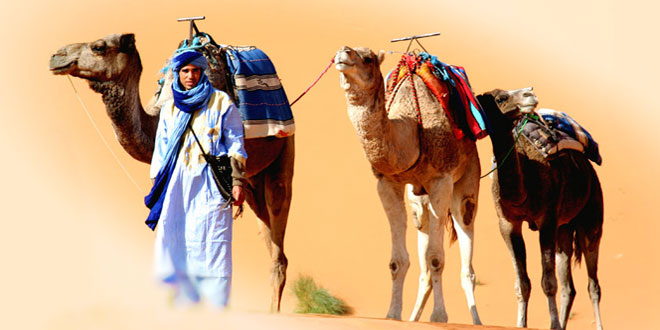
x=501, y=99
x=368, y=60
x=99, y=48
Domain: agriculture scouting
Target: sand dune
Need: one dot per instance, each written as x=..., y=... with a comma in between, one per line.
x=76, y=255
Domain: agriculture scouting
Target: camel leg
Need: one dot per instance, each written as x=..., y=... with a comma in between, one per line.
x=440, y=192
x=421, y=211
x=254, y=196
x=277, y=194
x=590, y=249
x=547, y=239
x=391, y=196
x=463, y=211
x=563, y=261
x=512, y=235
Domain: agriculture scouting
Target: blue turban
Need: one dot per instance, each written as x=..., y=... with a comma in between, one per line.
x=190, y=100
x=189, y=57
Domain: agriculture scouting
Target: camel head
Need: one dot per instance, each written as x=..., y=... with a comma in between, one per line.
x=359, y=68
x=514, y=103
x=112, y=58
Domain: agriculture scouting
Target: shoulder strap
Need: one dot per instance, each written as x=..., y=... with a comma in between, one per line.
x=196, y=139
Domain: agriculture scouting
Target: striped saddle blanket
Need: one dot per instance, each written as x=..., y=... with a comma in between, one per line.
x=257, y=90
x=451, y=87
x=558, y=131
x=260, y=97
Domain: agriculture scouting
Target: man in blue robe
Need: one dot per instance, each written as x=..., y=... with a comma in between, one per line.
x=194, y=231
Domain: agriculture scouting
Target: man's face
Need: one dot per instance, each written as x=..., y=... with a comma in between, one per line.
x=189, y=76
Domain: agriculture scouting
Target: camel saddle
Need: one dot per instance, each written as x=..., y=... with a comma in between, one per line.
x=551, y=131
x=451, y=87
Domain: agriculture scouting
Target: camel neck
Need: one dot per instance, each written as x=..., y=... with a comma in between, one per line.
x=509, y=169
x=135, y=129
x=366, y=111
x=391, y=146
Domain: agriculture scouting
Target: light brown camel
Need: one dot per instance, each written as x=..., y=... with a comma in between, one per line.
x=560, y=197
x=430, y=159
x=112, y=67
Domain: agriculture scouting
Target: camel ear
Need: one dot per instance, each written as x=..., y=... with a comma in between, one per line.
x=381, y=56
x=127, y=43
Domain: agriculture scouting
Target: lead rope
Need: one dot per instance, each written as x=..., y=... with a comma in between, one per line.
x=510, y=150
x=315, y=81
x=105, y=142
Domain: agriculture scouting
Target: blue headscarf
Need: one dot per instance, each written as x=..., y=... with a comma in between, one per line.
x=188, y=101
x=197, y=97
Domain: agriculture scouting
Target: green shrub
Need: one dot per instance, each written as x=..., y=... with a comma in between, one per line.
x=315, y=299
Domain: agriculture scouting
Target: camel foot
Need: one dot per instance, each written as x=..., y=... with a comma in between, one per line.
x=394, y=315
x=475, y=316
x=439, y=316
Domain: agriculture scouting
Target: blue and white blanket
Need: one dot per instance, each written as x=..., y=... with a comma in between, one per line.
x=559, y=131
x=261, y=99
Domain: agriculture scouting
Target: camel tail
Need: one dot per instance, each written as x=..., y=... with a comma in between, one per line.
x=578, y=249
x=589, y=228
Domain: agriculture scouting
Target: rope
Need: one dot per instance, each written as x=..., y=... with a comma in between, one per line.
x=510, y=150
x=315, y=81
x=414, y=92
x=394, y=91
x=395, y=85
x=105, y=142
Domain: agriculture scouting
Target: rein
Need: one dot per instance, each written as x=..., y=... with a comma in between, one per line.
x=508, y=153
x=105, y=142
x=314, y=83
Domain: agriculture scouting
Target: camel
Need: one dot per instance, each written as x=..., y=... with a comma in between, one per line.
x=443, y=174
x=560, y=197
x=112, y=67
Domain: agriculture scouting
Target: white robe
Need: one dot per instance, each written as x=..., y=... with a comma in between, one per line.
x=193, y=236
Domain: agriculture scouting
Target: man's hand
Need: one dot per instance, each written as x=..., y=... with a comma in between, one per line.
x=238, y=194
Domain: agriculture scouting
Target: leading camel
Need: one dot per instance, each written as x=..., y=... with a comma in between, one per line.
x=429, y=158
x=560, y=197
x=112, y=67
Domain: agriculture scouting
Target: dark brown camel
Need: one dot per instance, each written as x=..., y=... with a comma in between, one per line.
x=561, y=198
x=112, y=67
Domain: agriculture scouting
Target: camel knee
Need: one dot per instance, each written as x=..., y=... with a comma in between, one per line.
x=278, y=198
x=468, y=208
x=399, y=266
x=280, y=264
x=436, y=263
x=468, y=278
x=523, y=289
x=594, y=291
x=568, y=291
x=549, y=284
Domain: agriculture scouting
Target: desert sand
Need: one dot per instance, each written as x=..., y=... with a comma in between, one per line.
x=75, y=251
